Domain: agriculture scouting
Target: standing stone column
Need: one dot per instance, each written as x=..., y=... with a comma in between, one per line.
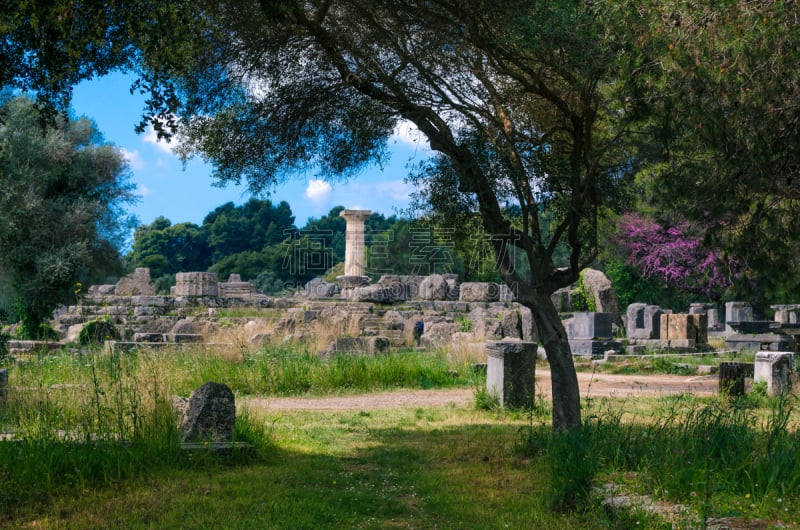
x=511, y=372
x=354, y=249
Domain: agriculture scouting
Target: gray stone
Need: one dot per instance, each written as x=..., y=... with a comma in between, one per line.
x=439, y=333
x=3, y=386
x=737, y=312
x=511, y=372
x=643, y=321
x=102, y=290
x=210, y=414
x=597, y=284
x=777, y=369
x=148, y=337
x=195, y=284
x=137, y=283
x=585, y=325
x=378, y=345
x=595, y=348
x=562, y=300
x=350, y=345
x=761, y=341
x=73, y=332
x=260, y=339
x=373, y=293
x=184, y=327
x=479, y=292
x=319, y=288
x=433, y=287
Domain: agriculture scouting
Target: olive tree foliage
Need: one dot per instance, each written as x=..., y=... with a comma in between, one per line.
x=522, y=102
x=62, y=219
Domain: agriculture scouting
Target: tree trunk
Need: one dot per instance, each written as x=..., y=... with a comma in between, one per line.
x=566, y=393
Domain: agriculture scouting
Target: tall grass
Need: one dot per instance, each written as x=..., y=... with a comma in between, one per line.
x=81, y=421
x=706, y=452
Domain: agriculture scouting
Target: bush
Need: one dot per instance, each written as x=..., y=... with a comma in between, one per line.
x=97, y=331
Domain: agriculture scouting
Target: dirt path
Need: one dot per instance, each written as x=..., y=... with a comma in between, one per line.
x=597, y=385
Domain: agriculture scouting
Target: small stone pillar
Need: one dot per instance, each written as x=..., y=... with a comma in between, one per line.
x=777, y=368
x=737, y=312
x=354, y=249
x=3, y=386
x=511, y=371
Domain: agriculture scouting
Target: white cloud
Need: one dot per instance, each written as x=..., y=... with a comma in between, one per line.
x=133, y=158
x=319, y=192
x=143, y=190
x=407, y=133
x=151, y=137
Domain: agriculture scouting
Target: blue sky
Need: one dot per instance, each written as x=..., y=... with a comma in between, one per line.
x=183, y=194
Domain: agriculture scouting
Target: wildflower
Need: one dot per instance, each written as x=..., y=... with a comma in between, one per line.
x=747, y=496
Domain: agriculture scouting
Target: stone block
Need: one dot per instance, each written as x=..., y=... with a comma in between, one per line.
x=209, y=414
x=433, y=287
x=319, y=288
x=3, y=386
x=184, y=338
x=587, y=325
x=643, y=321
x=595, y=348
x=677, y=326
x=777, y=369
x=597, y=285
x=377, y=345
x=148, y=337
x=737, y=312
x=137, y=283
x=511, y=372
x=373, y=293
x=350, y=345
x=195, y=284
x=479, y=292
x=700, y=323
x=681, y=343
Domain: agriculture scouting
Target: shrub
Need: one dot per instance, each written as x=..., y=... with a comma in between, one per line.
x=98, y=331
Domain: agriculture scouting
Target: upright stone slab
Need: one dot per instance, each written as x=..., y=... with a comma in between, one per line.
x=586, y=325
x=195, y=284
x=511, y=372
x=210, y=414
x=136, y=283
x=737, y=312
x=3, y=386
x=777, y=369
x=590, y=334
x=643, y=321
x=680, y=329
x=786, y=313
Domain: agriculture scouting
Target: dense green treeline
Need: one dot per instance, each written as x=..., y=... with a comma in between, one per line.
x=260, y=241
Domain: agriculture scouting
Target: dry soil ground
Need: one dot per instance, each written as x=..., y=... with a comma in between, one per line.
x=592, y=385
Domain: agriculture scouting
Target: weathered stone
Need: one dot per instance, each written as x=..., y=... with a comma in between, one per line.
x=236, y=288
x=260, y=339
x=700, y=322
x=598, y=286
x=195, y=284
x=511, y=371
x=184, y=327
x=433, y=287
x=761, y=341
x=479, y=292
x=439, y=333
x=3, y=386
x=102, y=290
x=151, y=301
x=319, y=288
x=73, y=332
x=677, y=326
x=377, y=345
x=184, y=338
x=210, y=414
x=373, y=293
x=786, y=313
x=737, y=312
x=148, y=337
x=562, y=300
x=777, y=369
x=595, y=348
x=350, y=345
x=586, y=325
x=643, y=321
x=137, y=283
x=354, y=251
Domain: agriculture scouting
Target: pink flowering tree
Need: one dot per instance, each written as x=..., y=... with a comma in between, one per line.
x=675, y=255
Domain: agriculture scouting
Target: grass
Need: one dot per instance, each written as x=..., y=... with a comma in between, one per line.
x=445, y=467
x=664, y=363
